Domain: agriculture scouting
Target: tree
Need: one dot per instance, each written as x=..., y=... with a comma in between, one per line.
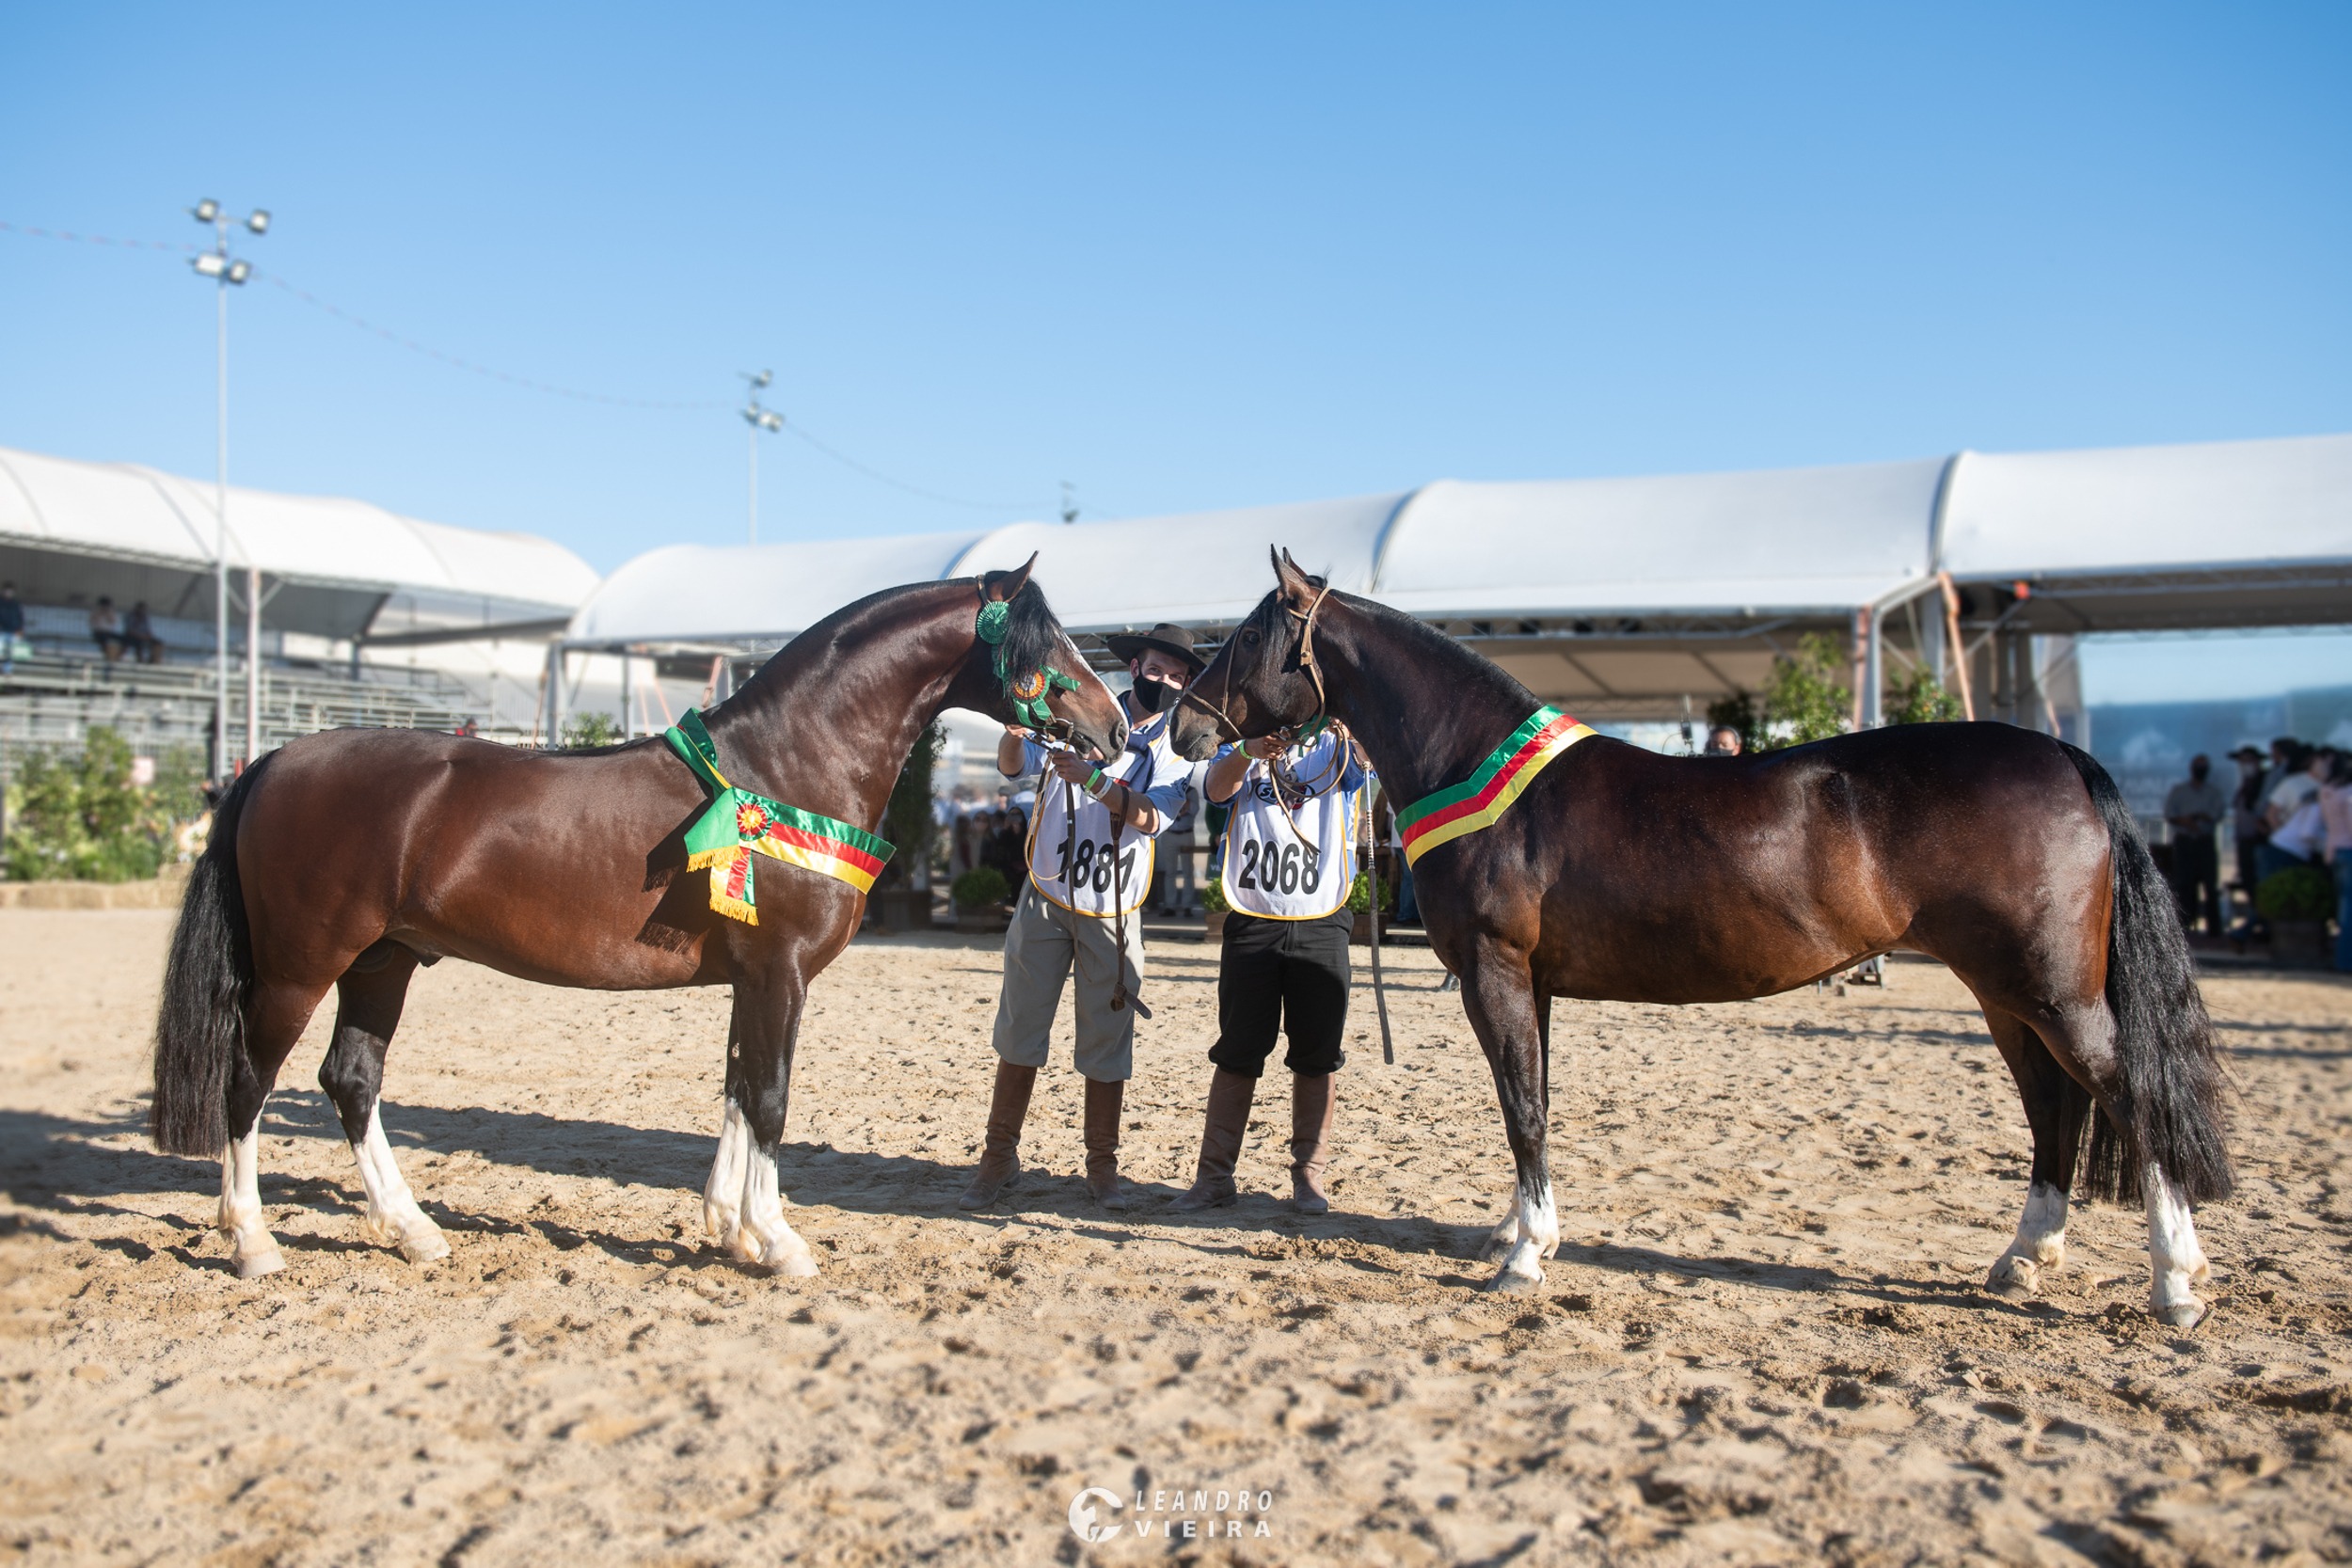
x=81, y=818
x=907, y=821
x=1803, y=700
x=1920, y=698
x=585, y=730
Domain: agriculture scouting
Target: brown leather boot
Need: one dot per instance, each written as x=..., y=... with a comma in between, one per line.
x=1104, y=1104
x=1000, y=1158
x=1222, y=1133
x=1312, y=1104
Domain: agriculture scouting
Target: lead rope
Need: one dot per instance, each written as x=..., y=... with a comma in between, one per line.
x=1379, y=988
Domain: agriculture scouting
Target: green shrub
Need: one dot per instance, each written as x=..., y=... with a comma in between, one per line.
x=1920, y=698
x=80, y=818
x=1359, y=894
x=2297, y=893
x=1213, y=897
x=982, y=887
x=583, y=729
x=1805, y=700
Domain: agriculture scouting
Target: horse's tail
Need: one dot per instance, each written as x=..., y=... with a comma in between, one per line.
x=201, y=1027
x=2170, y=1092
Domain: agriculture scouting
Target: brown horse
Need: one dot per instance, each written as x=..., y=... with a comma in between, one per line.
x=346, y=859
x=1621, y=875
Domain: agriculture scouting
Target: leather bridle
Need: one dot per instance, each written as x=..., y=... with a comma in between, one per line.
x=1306, y=661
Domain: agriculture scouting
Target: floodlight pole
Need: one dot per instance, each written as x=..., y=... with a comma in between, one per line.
x=759, y=418
x=225, y=270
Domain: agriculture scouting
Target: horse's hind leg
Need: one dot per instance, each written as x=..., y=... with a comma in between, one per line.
x=367, y=1010
x=2056, y=1107
x=1499, y=994
x=1505, y=1234
x=276, y=1015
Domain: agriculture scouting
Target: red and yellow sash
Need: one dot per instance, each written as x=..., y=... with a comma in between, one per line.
x=1480, y=800
x=740, y=824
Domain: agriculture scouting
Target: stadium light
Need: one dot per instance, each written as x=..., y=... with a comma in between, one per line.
x=227, y=271
x=759, y=418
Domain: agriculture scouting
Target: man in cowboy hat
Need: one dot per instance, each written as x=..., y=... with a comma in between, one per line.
x=1089, y=868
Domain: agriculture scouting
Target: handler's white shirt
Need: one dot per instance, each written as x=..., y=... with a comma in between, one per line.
x=1285, y=867
x=1079, y=869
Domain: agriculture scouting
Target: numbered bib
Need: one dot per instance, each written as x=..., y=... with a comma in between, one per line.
x=1279, y=871
x=1073, y=860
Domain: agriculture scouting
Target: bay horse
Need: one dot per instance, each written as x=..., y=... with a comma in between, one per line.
x=1616, y=873
x=345, y=859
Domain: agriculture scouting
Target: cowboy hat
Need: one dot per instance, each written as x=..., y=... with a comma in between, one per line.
x=1167, y=637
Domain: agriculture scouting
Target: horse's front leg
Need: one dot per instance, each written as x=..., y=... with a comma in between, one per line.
x=768, y=1022
x=1499, y=994
x=723, y=1194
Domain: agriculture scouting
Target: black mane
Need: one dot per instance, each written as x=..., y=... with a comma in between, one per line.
x=1033, y=638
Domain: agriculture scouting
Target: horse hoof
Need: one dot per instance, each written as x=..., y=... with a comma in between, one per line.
x=720, y=1223
x=743, y=1247
x=425, y=1246
x=253, y=1262
x=2014, y=1275
x=796, y=1265
x=1510, y=1282
x=378, y=1230
x=2183, y=1314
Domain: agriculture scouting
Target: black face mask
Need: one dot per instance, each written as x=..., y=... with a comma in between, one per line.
x=1149, y=695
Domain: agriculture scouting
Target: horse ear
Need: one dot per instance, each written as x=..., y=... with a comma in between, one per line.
x=1297, y=589
x=1008, y=585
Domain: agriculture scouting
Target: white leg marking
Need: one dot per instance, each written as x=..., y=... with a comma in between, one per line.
x=1506, y=1231
x=1538, y=1239
x=722, y=1197
x=2174, y=1257
x=763, y=1237
x=255, y=1251
x=393, y=1217
x=2039, y=1243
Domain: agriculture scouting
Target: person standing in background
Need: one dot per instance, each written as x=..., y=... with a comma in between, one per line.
x=2247, y=831
x=2335, y=812
x=12, y=627
x=2192, y=809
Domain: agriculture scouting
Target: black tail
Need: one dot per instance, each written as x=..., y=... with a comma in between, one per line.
x=199, y=1032
x=2170, y=1100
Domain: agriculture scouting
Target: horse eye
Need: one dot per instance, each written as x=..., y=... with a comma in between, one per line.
x=1250, y=636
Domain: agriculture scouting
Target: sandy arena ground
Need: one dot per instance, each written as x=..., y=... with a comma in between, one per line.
x=1763, y=1339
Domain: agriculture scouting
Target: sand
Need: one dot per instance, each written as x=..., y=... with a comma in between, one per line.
x=1762, y=1341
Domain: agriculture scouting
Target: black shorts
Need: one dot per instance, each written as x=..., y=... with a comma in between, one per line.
x=1290, y=976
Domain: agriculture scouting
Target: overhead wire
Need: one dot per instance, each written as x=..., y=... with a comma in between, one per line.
x=525, y=382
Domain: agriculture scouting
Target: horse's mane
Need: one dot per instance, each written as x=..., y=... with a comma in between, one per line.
x=1466, y=667
x=1033, y=638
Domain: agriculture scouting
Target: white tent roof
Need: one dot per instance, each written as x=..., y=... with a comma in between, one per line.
x=124, y=512
x=2239, y=532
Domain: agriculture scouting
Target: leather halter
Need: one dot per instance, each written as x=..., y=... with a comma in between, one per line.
x=1306, y=661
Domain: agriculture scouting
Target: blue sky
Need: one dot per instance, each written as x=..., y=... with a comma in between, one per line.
x=1179, y=258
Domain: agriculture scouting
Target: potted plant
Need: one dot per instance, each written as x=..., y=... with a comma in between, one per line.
x=980, y=895
x=1212, y=901
x=2297, y=902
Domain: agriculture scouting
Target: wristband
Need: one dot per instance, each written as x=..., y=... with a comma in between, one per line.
x=1096, y=783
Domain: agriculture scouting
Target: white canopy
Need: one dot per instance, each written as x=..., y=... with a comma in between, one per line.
x=95, y=523
x=2236, y=532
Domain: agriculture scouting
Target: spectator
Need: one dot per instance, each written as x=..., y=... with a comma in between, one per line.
x=2300, y=839
x=2247, y=829
x=2335, y=810
x=2290, y=782
x=2193, y=810
x=12, y=627
x=1722, y=742
x=139, y=632
x=106, y=630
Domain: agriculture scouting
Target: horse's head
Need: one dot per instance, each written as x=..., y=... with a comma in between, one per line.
x=1257, y=684
x=1024, y=665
